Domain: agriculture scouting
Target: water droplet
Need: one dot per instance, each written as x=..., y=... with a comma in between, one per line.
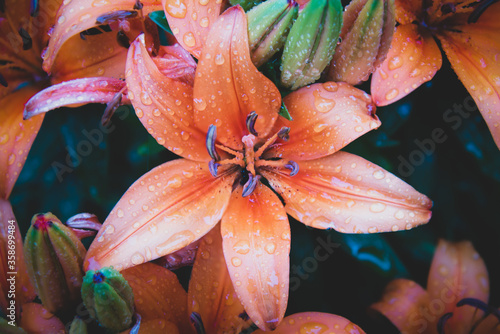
x=358, y=128
x=204, y=22
x=12, y=158
x=145, y=207
x=331, y=86
x=313, y=327
x=270, y=248
x=322, y=104
x=319, y=127
x=395, y=228
x=4, y=138
x=391, y=94
x=145, y=99
x=219, y=59
x=178, y=239
x=174, y=182
x=395, y=62
x=176, y=8
x=399, y=214
x=100, y=71
x=443, y=270
x=137, y=258
x=61, y=19
x=189, y=39
x=151, y=188
x=203, y=2
x=109, y=229
x=415, y=73
x=383, y=75
x=372, y=229
x=200, y=104
x=119, y=213
x=184, y=135
x=139, y=112
x=236, y=261
x=242, y=247
x=377, y=207
x=378, y=174
x=205, y=254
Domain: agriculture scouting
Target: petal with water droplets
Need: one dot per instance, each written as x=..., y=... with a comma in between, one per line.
x=228, y=86
x=211, y=292
x=36, y=319
x=166, y=209
x=408, y=11
x=413, y=59
x=158, y=294
x=190, y=21
x=457, y=272
x=474, y=54
x=315, y=322
x=403, y=303
x=16, y=137
x=74, y=92
x=256, y=243
x=326, y=117
x=163, y=104
x=349, y=194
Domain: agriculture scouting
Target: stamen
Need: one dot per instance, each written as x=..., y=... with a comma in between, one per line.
x=138, y=5
x=197, y=322
x=3, y=82
x=479, y=304
x=212, y=167
x=111, y=107
x=210, y=142
x=137, y=326
x=34, y=7
x=284, y=133
x=251, y=118
x=442, y=322
x=293, y=167
x=27, y=41
x=122, y=39
x=115, y=16
x=249, y=187
x=238, y=155
x=479, y=10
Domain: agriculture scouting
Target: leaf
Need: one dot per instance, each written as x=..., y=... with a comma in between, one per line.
x=159, y=18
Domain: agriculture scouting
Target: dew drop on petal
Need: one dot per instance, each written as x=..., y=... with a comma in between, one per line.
x=236, y=261
x=270, y=248
x=391, y=94
x=219, y=59
x=11, y=159
x=189, y=39
x=321, y=104
x=137, y=258
x=395, y=62
x=176, y=8
x=242, y=247
x=204, y=22
x=377, y=207
x=378, y=174
x=145, y=99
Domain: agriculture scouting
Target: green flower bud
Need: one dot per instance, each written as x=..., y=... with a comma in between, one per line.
x=268, y=26
x=109, y=299
x=366, y=39
x=78, y=326
x=311, y=43
x=54, y=257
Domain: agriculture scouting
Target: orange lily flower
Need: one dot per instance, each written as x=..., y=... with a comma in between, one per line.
x=470, y=37
x=226, y=128
x=457, y=276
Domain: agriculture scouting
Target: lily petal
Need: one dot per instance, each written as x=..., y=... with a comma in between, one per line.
x=74, y=17
x=403, y=303
x=211, y=292
x=164, y=105
x=37, y=320
x=457, y=271
x=75, y=93
x=16, y=137
x=158, y=294
x=315, y=322
x=24, y=290
x=349, y=194
x=326, y=117
x=229, y=87
x=191, y=20
x=473, y=54
x=489, y=325
x=413, y=59
x=166, y=209
x=256, y=243
x=408, y=11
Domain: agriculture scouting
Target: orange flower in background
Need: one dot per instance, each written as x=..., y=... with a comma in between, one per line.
x=469, y=33
x=456, y=296
x=226, y=128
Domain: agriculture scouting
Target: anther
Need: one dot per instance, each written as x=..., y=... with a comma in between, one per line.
x=479, y=304
x=197, y=322
x=251, y=118
x=3, y=82
x=138, y=5
x=115, y=16
x=34, y=7
x=284, y=133
x=293, y=167
x=249, y=187
x=213, y=167
x=98, y=277
x=111, y=107
x=210, y=142
x=442, y=322
x=27, y=41
x=122, y=39
x=479, y=10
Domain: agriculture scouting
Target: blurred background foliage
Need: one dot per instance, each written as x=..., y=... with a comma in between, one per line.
x=461, y=176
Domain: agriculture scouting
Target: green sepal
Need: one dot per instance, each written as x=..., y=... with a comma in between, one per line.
x=159, y=18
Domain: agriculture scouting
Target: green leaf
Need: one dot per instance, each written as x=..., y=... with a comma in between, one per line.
x=159, y=18
x=284, y=112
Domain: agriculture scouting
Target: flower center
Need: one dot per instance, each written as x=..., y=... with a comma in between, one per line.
x=251, y=158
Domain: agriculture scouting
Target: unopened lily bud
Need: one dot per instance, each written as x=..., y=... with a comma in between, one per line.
x=78, y=326
x=109, y=299
x=366, y=39
x=54, y=257
x=268, y=26
x=311, y=43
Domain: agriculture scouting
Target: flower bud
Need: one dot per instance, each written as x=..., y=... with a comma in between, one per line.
x=366, y=39
x=54, y=257
x=311, y=43
x=109, y=299
x=268, y=26
x=78, y=326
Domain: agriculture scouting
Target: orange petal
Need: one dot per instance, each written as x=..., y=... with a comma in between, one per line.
x=163, y=105
x=474, y=55
x=166, y=209
x=403, y=303
x=191, y=20
x=256, y=242
x=76, y=16
x=158, y=294
x=35, y=319
x=413, y=59
x=351, y=195
x=74, y=93
x=24, y=290
x=228, y=86
x=16, y=137
x=315, y=322
x=156, y=326
x=211, y=293
x=457, y=272
x=176, y=63
x=408, y=11
x=490, y=325
x=326, y=117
